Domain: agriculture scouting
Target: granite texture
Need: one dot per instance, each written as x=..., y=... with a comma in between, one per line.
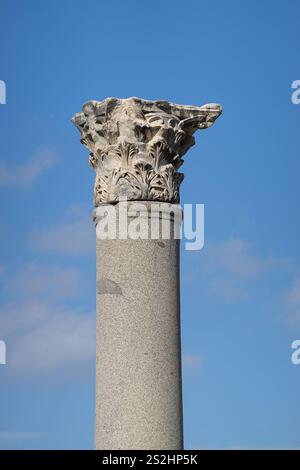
x=138, y=353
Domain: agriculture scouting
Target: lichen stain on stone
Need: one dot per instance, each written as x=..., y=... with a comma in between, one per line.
x=107, y=286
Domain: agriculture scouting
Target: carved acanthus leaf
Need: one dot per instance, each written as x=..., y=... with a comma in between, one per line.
x=136, y=146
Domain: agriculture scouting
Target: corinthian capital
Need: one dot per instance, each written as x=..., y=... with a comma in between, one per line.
x=136, y=146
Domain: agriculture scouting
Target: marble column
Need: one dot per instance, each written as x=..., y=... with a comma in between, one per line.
x=136, y=147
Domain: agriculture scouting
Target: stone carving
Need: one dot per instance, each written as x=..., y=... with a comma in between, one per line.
x=136, y=146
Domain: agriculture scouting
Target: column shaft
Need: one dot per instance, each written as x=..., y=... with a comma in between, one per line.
x=138, y=353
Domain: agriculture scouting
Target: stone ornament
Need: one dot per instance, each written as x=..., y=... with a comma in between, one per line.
x=136, y=146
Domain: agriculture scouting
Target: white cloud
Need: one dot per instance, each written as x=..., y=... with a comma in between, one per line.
x=63, y=338
x=24, y=174
x=293, y=295
x=293, y=303
x=43, y=337
x=19, y=316
x=230, y=268
x=74, y=236
x=234, y=258
x=42, y=281
x=231, y=290
x=43, y=334
x=192, y=361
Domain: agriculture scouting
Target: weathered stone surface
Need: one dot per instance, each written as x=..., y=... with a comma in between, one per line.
x=136, y=146
x=138, y=353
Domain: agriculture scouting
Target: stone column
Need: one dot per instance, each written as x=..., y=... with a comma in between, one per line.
x=136, y=147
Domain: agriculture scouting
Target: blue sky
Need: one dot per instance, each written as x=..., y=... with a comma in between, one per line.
x=240, y=295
